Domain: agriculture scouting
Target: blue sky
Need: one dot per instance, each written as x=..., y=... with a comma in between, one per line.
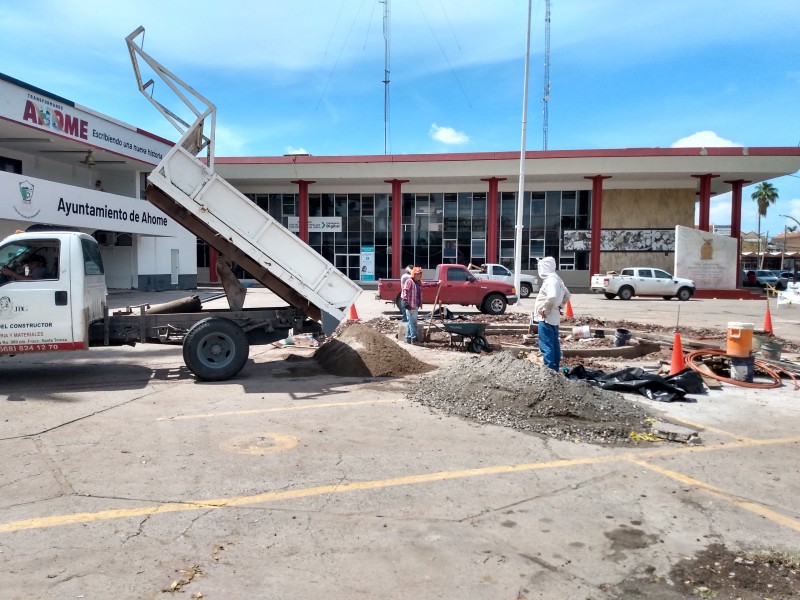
x=305, y=75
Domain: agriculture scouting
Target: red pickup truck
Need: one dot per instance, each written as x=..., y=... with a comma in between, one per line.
x=459, y=286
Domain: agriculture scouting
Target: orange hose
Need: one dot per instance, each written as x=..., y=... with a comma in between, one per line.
x=773, y=372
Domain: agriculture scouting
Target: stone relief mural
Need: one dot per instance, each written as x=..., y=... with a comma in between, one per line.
x=621, y=240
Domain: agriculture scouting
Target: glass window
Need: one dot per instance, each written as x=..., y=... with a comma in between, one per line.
x=457, y=275
x=92, y=260
x=661, y=274
x=646, y=273
x=478, y=249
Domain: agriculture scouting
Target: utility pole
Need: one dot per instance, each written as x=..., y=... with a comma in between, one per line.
x=386, y=62
x=546, y=98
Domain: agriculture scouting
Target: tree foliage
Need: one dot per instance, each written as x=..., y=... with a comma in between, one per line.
x=765, y=196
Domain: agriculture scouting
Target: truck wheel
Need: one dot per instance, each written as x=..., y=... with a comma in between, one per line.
x=684, y=294
x=398, y=302
x=609, y=296
x=495, y=304
x=625, y=293
x=525, y=290
x=215, y=349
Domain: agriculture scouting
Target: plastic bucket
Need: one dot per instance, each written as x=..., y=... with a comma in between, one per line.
x=771, y=350
x=742, y=369
x=740, y=339
x=622, y=336
x=581, y=332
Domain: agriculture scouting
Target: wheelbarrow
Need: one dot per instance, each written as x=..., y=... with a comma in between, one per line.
x=467, y=336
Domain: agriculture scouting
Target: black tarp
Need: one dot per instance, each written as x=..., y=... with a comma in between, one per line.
x=633, y=379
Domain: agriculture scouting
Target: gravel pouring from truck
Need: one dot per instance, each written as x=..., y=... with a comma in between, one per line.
x=459, y=286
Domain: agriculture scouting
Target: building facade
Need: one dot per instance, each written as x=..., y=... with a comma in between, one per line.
x=65, y=165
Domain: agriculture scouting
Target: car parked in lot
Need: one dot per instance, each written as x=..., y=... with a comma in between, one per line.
x=760, y=278
x=783, y=278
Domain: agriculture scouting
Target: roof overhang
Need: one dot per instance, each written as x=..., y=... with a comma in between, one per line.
x=629, y=168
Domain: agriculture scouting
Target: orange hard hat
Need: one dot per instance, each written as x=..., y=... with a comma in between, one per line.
x=416, y=271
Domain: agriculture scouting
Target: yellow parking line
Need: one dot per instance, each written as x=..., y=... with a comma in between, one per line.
x=752, y=507
x=705, y=427
x=105, y=515
x=256, y=411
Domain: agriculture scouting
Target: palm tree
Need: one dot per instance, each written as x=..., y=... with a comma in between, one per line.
x=764, y=195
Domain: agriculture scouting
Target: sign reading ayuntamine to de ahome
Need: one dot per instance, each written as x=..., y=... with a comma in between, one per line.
x=24, y=198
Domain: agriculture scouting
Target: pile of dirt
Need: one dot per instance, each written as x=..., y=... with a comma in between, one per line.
x=720, y=573
x=360, y=351
x=505, y=390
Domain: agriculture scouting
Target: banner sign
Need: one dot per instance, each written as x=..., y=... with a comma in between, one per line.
x=65, y=119
x=24, y=198
x=367, y=263
x=316, y=224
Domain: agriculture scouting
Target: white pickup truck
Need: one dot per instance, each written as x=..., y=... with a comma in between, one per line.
x=642, y=281
x=528, y=284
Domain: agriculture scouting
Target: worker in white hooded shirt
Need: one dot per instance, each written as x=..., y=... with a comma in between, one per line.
x=552, y=298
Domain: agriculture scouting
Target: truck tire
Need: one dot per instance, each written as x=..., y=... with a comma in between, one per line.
x=215, y=349
x=495, y=304
x=525, y=289
x=684, y=294
x=609, y=296
x=398, y=302
x=625, y=292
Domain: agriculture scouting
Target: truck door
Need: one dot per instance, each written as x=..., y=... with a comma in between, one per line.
x=460, y=286
x=35, y=313
x=645, y=284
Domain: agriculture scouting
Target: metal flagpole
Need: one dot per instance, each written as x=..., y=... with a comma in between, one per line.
x=520, y=192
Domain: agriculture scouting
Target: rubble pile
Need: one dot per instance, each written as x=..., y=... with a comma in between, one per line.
x=505, y=390
x=360, y=351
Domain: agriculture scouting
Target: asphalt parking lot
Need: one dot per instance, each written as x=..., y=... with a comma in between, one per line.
x=124, y=477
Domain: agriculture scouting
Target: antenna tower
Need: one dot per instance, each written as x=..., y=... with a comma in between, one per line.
x=546, y=98
x=386, y=49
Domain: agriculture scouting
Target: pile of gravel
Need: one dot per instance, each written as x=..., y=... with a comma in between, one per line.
x=505, y=390
x=359, y=351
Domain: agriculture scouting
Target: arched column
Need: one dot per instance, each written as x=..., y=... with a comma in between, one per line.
x=397, y=224
x=705, y=201
x=302, y=206
x=736, y=221
x=492, y=219
x=597, y=221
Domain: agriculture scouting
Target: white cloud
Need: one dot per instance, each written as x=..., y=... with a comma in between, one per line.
x=704, y=139
x=448, y=135
x=720, y=210
x=293, y=150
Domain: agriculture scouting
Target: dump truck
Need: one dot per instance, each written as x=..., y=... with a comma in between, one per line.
x=66, y=308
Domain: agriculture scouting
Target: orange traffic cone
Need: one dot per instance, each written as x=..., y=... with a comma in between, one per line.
x=568, y=314
x=768, y=322
x=353, y=316
x=678, y=364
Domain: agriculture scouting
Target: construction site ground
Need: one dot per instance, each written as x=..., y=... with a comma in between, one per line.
x=125, y=477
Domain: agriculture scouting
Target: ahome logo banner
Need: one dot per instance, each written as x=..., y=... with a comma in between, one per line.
x=28, y=198
x=67, y=120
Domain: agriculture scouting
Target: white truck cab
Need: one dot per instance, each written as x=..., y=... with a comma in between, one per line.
x=53, y=311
